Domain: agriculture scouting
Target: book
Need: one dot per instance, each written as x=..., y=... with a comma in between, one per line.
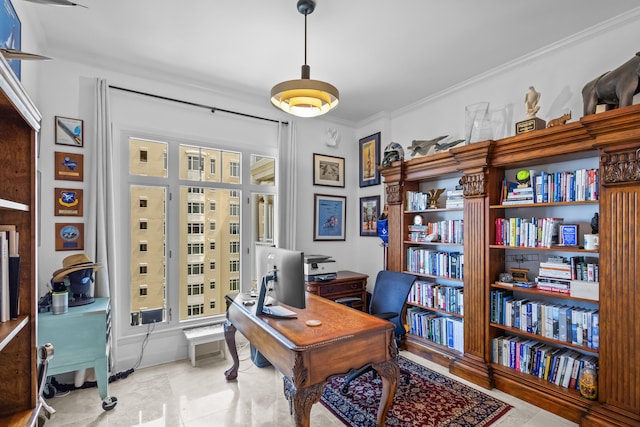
x=12, y=236
x=4, y=278
x=14, y=286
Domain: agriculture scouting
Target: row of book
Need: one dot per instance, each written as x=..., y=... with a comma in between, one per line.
x=417, y=201
x=572, y=268
x=560, y=366
x=444, y=330
x=528, y=232
x=434, y=295
x=575, y=325
x=435, y=263
x=552, y=187
x=445, y=231
x=9, y=272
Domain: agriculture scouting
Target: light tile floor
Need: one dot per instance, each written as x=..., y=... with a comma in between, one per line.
x=177, y=394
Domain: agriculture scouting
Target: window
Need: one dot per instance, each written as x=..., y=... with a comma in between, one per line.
x=234, y=169
x=178, y=194
x=195, y=269
x=234, y=228
x=195, y=248
x=195, y=228
x=195, y=289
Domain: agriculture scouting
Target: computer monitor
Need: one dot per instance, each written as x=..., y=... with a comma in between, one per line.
x=288, y=265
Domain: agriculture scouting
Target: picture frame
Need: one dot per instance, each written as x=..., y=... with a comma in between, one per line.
x=11, y=34
x=329, y=215
x=369, y=150
x=69, y=236
x=328, y=171
x=69, y=131
x=519, y=274
x=369, y=213
x=568, y=235
x=68, y=202
x=68, y=166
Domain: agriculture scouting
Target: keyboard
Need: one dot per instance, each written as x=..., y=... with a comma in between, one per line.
x=279, y=311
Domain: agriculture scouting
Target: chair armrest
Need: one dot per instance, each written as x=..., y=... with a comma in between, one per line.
x=348, y=300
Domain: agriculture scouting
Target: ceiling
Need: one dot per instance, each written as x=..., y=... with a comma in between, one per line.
x=382, y=55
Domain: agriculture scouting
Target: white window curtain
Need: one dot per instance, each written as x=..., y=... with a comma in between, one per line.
x=288, y=177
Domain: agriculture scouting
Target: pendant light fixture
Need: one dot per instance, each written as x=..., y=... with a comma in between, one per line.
x=305, y=97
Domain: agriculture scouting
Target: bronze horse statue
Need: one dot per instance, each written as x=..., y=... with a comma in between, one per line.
x=615, y=88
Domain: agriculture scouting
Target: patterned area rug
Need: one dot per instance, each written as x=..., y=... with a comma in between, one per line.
x=430, y=399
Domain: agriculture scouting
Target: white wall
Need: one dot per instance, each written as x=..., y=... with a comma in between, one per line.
x=64, y=88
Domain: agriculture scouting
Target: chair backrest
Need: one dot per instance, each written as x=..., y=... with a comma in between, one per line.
x=390, y=294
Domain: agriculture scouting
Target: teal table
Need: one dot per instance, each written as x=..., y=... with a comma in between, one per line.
x=80, y=340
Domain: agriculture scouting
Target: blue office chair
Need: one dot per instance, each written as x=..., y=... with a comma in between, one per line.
x=387, y=302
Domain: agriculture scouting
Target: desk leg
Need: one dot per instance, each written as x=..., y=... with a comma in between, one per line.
x=230, y=338
x=389, y=371
x=301, y=401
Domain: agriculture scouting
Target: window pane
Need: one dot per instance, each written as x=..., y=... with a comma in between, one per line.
x=201, y=260
x=147, y=158
x=263, y=170
x=231, y=172
x=147, y=245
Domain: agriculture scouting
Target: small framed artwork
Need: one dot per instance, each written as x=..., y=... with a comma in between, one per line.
x=568, y=235
x=10, y=33
x=369, y=160
x=520, y=274
x=69, y=166
x=329, y=216
x=328, y=170
x=69, y=131
x=369, y=213
x=69, y=237
x=68, y=202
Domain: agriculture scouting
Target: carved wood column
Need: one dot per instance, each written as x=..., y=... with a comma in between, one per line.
x=619, y=229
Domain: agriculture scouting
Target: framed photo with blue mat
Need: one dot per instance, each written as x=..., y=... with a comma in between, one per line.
x=329, y=214
x=10, y=33
x=369, y=160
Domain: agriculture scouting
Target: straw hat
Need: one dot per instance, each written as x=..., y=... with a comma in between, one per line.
x=74, y=263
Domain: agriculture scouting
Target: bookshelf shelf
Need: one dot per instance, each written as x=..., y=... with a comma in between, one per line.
x=567, y=249
x=10, y=205
x=544, y=205
x=411, y=242
x=8, y=330
x=435, y=310
x=431, y=276
x=537, y=337
x=425, y=211
x=534, y=291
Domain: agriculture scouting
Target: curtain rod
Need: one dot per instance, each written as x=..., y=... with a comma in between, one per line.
x=193, y=104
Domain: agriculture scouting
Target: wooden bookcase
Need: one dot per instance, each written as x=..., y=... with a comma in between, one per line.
x=612, y=141
x=19, y=127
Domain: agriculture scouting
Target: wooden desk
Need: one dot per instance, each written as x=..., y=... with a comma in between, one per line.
x=308, y=356
x=346, y=284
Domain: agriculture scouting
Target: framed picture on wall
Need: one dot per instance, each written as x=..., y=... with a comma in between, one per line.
x=68, y=202
x=69, y=236
x=369, y=160
x=10, y=33
x=329, y=214
x=369, y=213
x=328, y=170
x=69, y=166
x=69, y=131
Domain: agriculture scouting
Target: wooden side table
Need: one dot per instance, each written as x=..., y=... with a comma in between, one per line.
x=347, y=284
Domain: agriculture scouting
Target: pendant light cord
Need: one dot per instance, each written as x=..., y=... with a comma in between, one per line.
x=305, y=38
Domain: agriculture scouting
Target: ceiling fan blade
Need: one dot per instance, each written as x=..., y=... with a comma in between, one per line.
x=65, y=3
x=18, y=54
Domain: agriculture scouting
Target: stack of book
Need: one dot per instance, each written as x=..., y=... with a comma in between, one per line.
x=520, y=195
x=555, y=275
x=455, y=199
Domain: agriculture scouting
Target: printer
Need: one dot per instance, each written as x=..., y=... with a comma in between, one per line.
x=319, y=268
